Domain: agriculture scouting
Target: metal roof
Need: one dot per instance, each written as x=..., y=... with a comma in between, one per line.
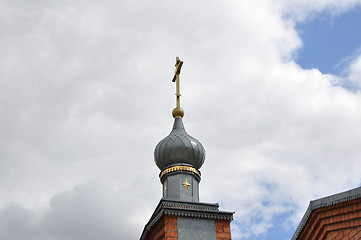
x=325, y=202
x=185, y=209
x=179, y=148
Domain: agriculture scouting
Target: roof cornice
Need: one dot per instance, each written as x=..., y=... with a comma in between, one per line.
x=185, y=209
x=325, y=202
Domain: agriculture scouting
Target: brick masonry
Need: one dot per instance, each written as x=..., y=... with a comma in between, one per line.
x=165, y=229
x=339, y=221
x=223, y=230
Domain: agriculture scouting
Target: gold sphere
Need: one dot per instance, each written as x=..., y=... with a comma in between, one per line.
x=178, y=112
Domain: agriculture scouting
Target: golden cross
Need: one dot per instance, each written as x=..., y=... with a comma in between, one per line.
x=186, y=184
x=178, y=66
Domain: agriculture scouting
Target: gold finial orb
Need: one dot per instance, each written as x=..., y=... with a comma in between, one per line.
x=178, y=112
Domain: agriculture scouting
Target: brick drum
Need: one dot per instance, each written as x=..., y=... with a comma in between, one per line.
x=165, y=229
x=223, y=230
x=339, y=221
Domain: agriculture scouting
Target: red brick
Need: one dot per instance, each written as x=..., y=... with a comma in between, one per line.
x=227, y=229
x=222, y=223
x=165, y=228
x=223, y=235
x=332, y=218
x=219, y=228
x=161, y=232
x=223, y=230
x=171, y=234
x=159, y=237
x=171, y=227
x=169, y=219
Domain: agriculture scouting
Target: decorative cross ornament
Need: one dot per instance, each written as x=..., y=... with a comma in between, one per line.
x=186, y=184
x=177, y=112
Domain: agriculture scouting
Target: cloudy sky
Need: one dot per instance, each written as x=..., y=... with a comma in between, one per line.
x=271, y=89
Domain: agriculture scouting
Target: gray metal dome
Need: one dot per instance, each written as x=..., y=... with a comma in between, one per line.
x=178, y=148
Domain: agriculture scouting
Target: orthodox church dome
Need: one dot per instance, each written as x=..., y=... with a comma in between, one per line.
x=179, y=148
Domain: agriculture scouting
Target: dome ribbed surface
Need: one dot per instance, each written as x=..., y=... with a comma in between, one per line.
x=179, y=148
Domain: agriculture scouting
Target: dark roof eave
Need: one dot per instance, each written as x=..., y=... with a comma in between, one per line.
x=325, y=202
x=185, y=209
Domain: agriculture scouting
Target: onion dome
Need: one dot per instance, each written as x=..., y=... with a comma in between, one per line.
x=179, y=152
x=179, y=149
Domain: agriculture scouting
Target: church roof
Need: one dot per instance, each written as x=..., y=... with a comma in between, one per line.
x=185, y=209
x=326, y=202
x=179, y=148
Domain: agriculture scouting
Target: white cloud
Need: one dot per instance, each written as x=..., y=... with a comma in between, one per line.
x=354, y=71
x=304, y=10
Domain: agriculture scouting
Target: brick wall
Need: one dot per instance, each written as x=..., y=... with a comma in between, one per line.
x=223, y=230
x=339, y=221
x=166, y=228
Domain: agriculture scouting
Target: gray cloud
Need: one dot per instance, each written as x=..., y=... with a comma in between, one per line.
x=88, y=211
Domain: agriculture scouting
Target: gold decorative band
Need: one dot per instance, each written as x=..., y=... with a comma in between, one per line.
x=179, y=168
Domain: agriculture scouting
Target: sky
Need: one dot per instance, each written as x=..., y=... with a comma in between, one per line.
x=330, y=42
x=270, y=88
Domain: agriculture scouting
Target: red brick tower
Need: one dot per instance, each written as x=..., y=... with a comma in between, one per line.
x=179, y=214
